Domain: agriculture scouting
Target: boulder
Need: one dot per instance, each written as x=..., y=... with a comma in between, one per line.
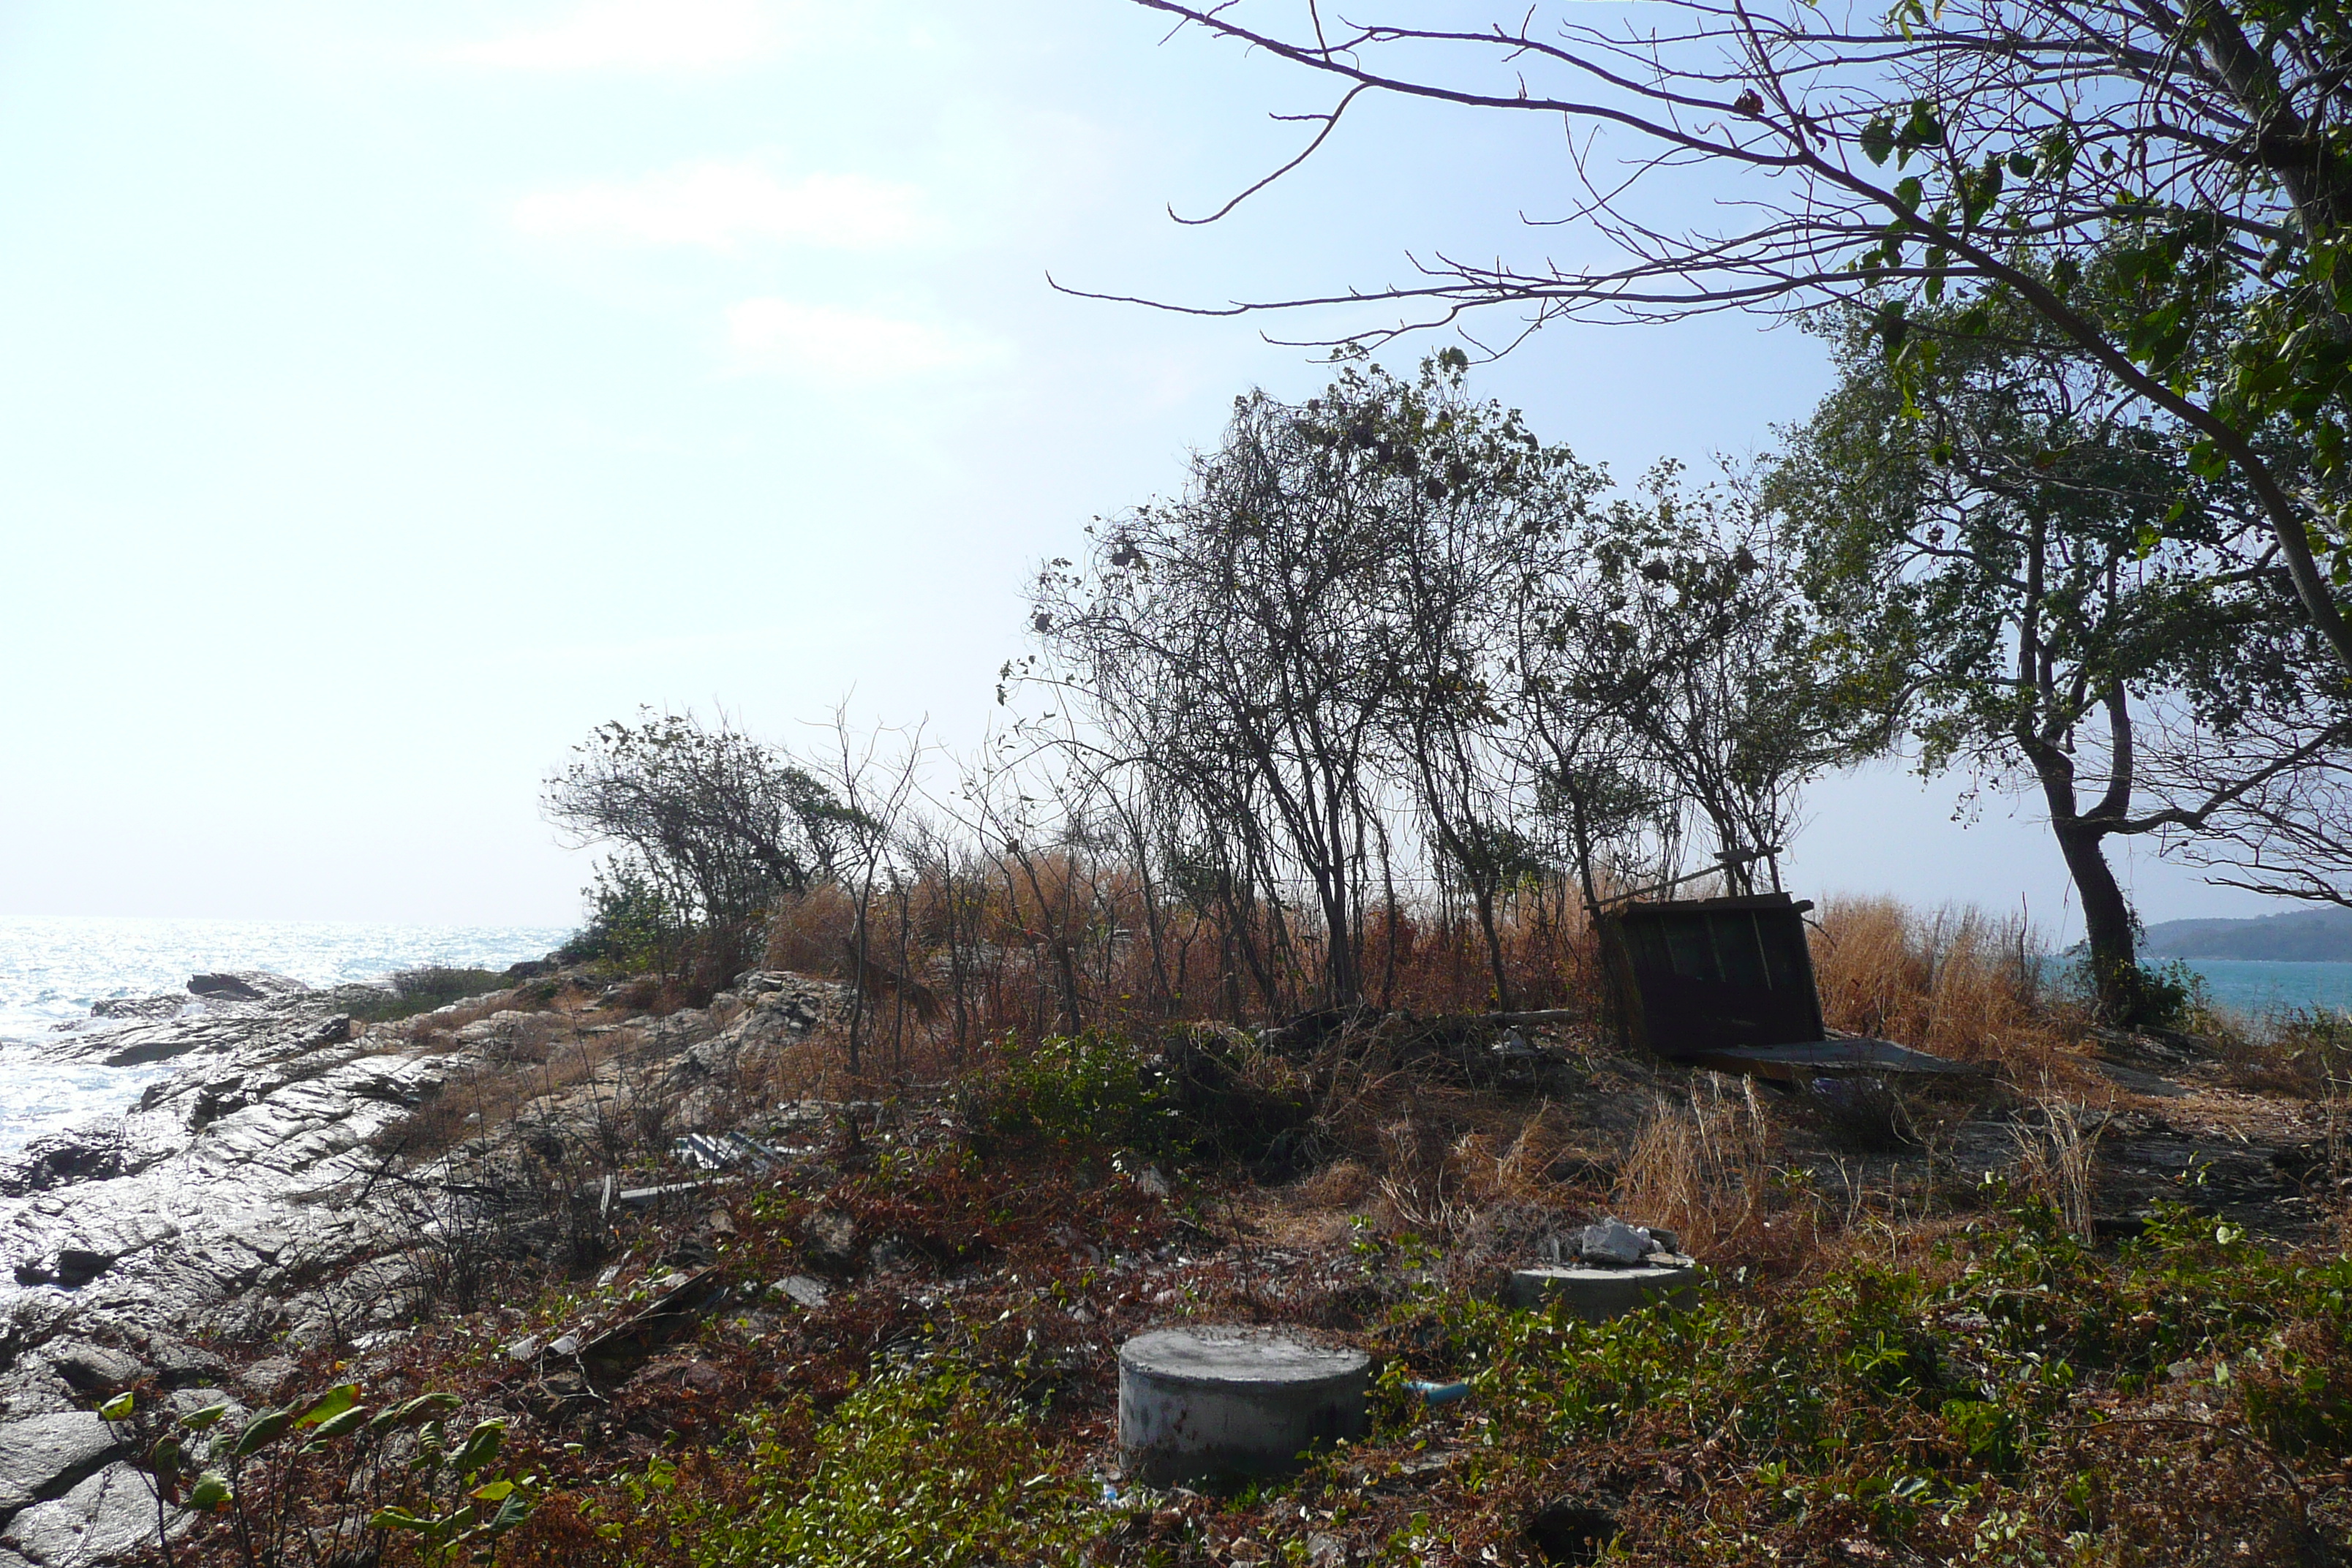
x=245, y=986
x=93, y=1369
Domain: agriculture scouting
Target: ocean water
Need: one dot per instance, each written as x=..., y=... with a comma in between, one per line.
x=2256, y=986
x=51, y=970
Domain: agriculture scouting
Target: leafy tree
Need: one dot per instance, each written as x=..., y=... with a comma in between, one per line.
x=1390, y=625
x=1967, y=161
x=2025, y=566
x=711, y=825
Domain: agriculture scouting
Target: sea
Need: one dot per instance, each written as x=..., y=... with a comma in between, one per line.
x=2255, y=988
x=52, y=970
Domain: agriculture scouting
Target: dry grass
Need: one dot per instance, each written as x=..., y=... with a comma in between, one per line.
x=1056, y=942
x=1704, y=1167
x=1959, y=983
x=2058, y=1161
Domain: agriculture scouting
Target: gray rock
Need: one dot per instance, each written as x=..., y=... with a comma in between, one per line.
x=147, y=1009
x=68, y=1268
x=105, y=1518
x=830, y=1235
x=45, y=1455
x=265, y=1378
x=1614, y=1241
x=804, y=1288
x=93, y=1369
x=184, y=1366
x=245, y=986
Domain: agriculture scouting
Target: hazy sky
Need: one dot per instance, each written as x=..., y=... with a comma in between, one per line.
x=390, y=394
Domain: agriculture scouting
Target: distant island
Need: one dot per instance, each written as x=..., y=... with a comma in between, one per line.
x=2306, y=936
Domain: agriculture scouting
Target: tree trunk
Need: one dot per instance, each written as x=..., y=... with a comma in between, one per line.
x=2106, y=913
x=2106, y=921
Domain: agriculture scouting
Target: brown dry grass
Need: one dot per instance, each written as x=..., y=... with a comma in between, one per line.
x=1056, y=942
x=1956, y=982
x=1703, y=1166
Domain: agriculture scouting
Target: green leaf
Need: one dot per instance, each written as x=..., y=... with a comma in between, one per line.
x=341, y=1425
x=399, y=1519
x=263, y=1430
x=1878, y=139
x=330, y=1404
x=491, y=1491
x=198, y=1420
x=163, y=1458
x=117, y=1408
x=512, y=1512
x=481, y=1446
x=424, y=1407
x=2021, y=166
x=1923, y=129
x=1908, y=191
x=211, y=1493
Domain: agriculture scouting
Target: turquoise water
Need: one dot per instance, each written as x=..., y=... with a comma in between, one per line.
x=2255, y=987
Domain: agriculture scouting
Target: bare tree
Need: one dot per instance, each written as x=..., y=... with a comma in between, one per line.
x=2270, y=811
x=876, y=777
x=1986, y=150
x=1228, y=641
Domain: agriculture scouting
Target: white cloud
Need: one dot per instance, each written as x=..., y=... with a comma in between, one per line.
x=722, y=205
x=635, y=34
x=771, y=334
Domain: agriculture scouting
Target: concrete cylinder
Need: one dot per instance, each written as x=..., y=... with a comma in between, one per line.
x=1598, y=1294
x=1215, y=1404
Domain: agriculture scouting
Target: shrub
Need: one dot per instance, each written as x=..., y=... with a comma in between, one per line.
x=2157, y=997
x=912, y=1467
x=2006, y=1380
x=630, y=925
x=1200, y=1095
x=1072, y=1095
x=418, y=991
x=328, y=1480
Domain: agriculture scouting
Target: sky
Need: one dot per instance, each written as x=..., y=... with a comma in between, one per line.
x=390, y=394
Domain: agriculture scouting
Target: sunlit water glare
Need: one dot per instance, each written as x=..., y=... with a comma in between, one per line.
x=52, y=970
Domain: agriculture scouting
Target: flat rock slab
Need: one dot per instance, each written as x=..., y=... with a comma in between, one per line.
x=1214, y=1403
x=106, y=1519
x=45, y=1456
x=1598, y=1294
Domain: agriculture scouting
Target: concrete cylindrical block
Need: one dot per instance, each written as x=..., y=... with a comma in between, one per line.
x=1210, y=1403
x=1598, y=1294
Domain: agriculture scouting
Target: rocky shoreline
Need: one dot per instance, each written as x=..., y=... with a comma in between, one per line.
x=269, y=1197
